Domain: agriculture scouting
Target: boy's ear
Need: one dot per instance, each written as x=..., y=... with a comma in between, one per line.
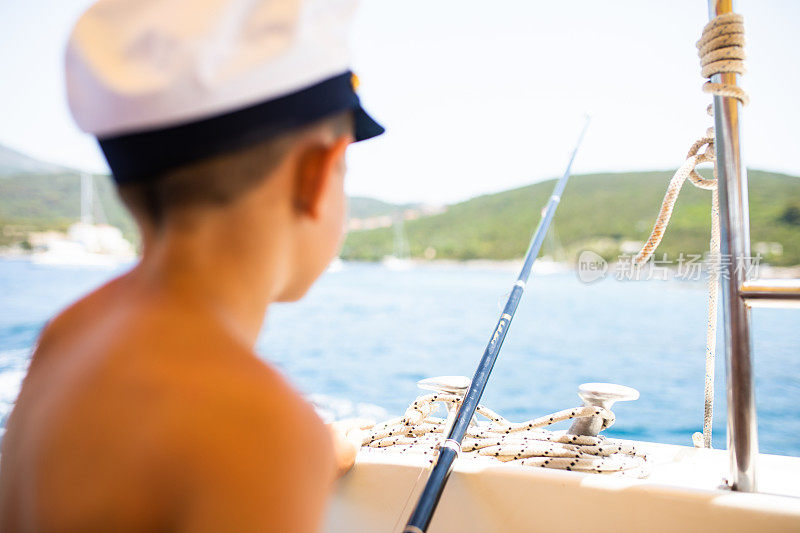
x=317, y=171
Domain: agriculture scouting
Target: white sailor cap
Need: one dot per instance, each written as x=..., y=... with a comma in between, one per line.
x=162, y=83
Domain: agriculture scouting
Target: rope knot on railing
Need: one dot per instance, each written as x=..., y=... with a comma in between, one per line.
x=721, y=51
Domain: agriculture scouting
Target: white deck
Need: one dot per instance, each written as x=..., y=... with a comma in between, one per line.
x=682, y=493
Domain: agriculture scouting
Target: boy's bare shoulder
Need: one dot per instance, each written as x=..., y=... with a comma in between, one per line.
x=179, y=366
x=251, y=448
x=201, y=368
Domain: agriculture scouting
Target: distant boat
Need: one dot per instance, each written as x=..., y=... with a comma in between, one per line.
x=86, y=243
x=554, y=260
x=391, y=262
x=546, y=266
x=336, y=265
x=400, y=258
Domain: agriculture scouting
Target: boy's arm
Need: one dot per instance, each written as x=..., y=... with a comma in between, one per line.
x=345, y=444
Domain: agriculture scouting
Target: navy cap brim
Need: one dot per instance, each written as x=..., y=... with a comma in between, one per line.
x=146, y=155
x=366, y=127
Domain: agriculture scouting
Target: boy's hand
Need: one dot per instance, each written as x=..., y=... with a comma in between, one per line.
x=346, y=436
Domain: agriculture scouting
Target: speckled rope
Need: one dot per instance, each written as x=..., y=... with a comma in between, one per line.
x=721, y=49
x=526, y=443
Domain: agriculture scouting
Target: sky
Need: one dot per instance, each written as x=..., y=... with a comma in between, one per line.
x=479, y=97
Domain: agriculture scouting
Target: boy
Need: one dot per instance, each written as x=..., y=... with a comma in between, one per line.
x=225, y=124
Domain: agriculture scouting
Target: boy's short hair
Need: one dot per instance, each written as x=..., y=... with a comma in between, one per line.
x=217, y=180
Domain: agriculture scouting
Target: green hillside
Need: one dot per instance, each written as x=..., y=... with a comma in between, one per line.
x=597, y=212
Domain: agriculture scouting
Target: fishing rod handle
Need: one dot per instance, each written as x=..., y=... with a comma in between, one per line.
x=423, y=513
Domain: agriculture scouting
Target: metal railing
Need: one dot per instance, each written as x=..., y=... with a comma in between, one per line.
x=738, y=293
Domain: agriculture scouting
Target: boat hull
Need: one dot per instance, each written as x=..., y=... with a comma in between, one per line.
x=682, y=494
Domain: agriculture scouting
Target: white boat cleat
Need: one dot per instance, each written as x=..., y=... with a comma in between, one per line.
x=600, y=395
x=450, y=384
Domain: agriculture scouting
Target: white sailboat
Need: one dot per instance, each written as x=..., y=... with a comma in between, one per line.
x=336, y=265
x=86, y=243
x=522, y=477
x=399, y=260
x=554, y=262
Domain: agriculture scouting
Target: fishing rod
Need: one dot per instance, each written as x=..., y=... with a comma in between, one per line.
x=449, y=450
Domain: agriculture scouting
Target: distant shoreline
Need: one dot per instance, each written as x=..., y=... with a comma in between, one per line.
x=513, y=265
x=543, y=266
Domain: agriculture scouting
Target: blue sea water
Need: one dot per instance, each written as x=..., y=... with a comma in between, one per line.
x=363, y=336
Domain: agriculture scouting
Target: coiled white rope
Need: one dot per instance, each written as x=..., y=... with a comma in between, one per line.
x=721, y=49
x=526, y=443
